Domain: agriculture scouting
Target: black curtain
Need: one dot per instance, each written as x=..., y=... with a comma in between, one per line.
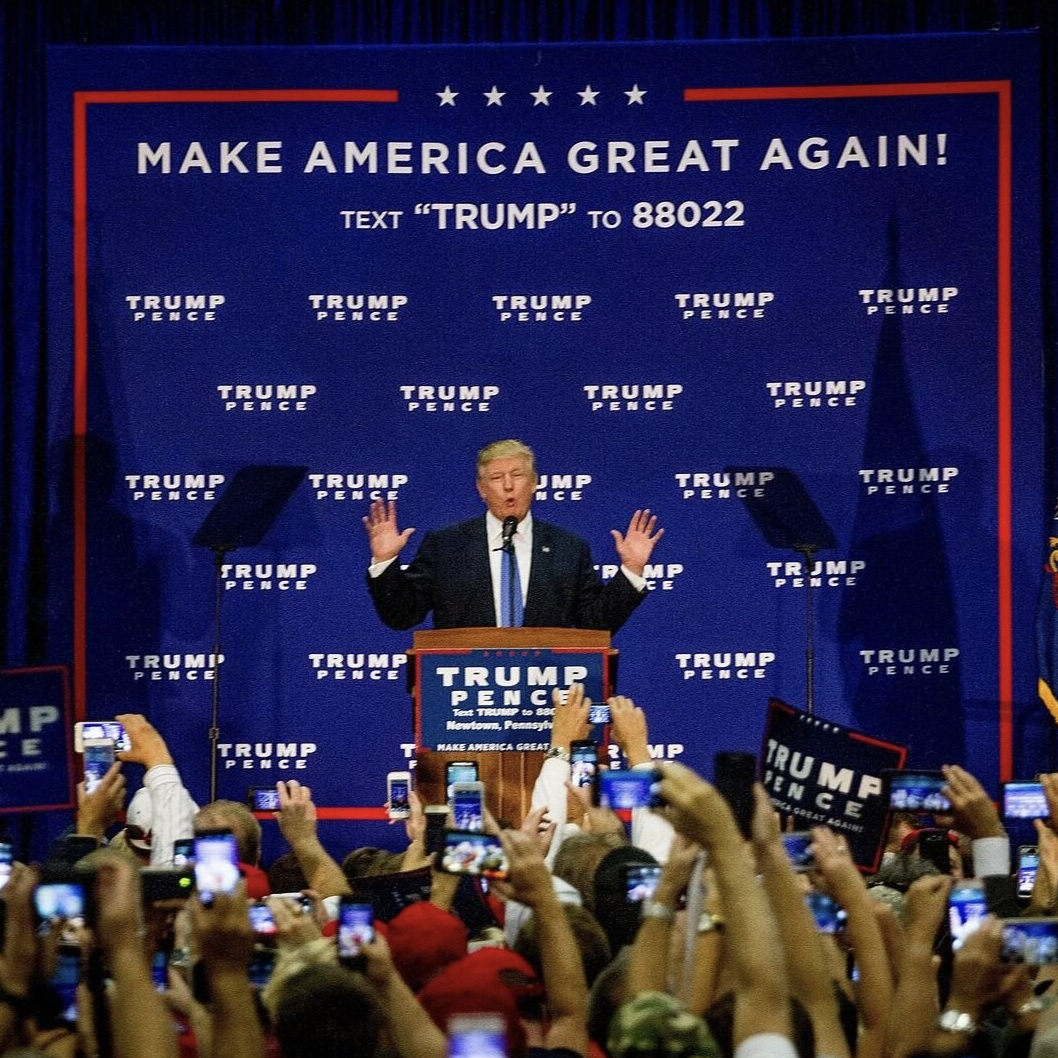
x=28, y=26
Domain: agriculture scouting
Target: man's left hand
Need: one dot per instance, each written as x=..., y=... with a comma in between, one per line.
x=635, y=547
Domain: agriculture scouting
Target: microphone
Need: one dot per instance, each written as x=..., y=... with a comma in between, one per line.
x=510, y=523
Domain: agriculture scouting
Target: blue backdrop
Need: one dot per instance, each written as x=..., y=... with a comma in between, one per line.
x=652, y=263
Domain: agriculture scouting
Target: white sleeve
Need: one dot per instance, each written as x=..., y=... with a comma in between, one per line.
x=172, y=811
x=652, y=833
x=550, y=790
x=765, y=1045
x=991, y=856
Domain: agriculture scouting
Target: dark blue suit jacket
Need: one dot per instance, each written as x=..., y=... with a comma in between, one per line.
x=450, y=576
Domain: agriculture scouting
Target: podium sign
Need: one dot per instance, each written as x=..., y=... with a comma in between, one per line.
x=499, y=699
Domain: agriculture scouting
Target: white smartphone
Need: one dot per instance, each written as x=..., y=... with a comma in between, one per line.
x=398, y=794
x=468, y=806
x=98, y=757
x=85, y=730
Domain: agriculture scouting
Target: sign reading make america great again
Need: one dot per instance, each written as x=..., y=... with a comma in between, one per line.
x=498, y=699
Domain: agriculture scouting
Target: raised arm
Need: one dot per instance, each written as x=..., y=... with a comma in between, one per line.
x=297, y=821
x=635, y=546
x=806, y=961
x=384, y=537
x=697, y=810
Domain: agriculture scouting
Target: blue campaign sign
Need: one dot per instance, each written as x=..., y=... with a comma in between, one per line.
x=826, y=775
x=499, y=699
x=35, y=739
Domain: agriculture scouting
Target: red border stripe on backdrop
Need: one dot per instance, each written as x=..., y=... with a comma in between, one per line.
x=1004, y=419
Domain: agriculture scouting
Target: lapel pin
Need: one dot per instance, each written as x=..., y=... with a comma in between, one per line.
x=546, y=550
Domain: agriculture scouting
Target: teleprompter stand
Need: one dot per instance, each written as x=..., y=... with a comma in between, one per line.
x=788, y=518
x=242, y=516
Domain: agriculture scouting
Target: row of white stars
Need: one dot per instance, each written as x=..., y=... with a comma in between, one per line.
x=541, y=97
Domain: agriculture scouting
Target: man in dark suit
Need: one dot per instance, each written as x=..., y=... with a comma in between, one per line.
x=459, y=571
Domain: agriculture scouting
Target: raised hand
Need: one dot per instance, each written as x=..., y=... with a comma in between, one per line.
x=386, y=539
x=635, y=547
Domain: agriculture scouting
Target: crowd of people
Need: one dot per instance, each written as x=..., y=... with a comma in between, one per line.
x=568, y=953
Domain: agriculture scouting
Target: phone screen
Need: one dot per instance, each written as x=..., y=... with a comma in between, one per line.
x=262, y=921
x=94, y=730
x=1024, y=800
x=6, y=859
x=98, y=757
x=967, y=907
x=468, y=810
x=216, y=865
x=61, y=900
x=829, y=915
x=584, y=763
x=263, y=798
x=398, y=791
x=459, y=771
x=355, y=929
x=183, y=852
x=641, y=879
x=477, y=1036
x=472, y=852
x=1028, y=864
x=637, y=788
x=436, y=822
x=1032, y=941
x=65, y=979
x=798, y=846
x=917, y=791
x=598, y=713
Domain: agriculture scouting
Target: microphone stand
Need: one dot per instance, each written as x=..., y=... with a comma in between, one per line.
x=808, y=552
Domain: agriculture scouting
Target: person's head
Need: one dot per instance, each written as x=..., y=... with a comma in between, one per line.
x=236, y=817
x=591, y=941
x=325, y=1011
x=654, y=1024
x=506, y=478
x=577, y=859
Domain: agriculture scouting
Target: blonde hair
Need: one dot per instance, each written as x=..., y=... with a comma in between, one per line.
x=507, y=449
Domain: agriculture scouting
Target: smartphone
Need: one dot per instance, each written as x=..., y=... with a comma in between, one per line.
x=584, y=763
x=734, y=774
x=798, y=846
x=934, y=846
x=475, y=853
x=7, y=857
x=459, y=771
x=98, y=757
x=262, y=963
x=598, y=713
x=398, y=794
x=355, y=929
x=65, y=979
x=263, y=799
x=477, y=1036
x=829, y=915
x=436, y=823
x=63, y=901
x=301, y=903
x=165, y=883
x=636, y=788
x=640, y=880
x=967, y=907
x=160, y=970
x=183, y=853
x=262, y=921
x=468, y=805
x=1028, y=864
x=1024, y=799
x=216, y=864
x=85, y=730
x=917, y=791
x=1032, y=941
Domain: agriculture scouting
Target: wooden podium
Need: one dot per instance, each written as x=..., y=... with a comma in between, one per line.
x=508, y=774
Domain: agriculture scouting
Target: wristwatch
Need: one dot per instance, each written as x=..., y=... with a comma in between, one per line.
x=956, y=1021
x=557, y=752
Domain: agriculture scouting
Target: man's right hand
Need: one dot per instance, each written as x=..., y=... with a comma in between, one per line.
x=386, y=540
